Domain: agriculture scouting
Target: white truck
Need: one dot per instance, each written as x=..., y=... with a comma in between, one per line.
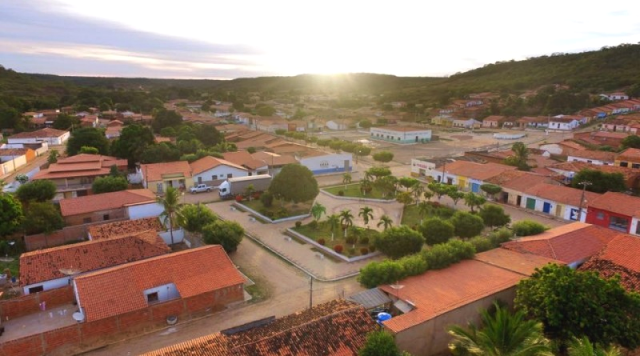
x=200, y=188
x=234, y=186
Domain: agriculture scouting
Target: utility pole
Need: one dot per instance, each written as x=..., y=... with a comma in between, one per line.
x=310, y=292
x=584, y=185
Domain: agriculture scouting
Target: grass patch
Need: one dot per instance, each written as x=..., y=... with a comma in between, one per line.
x=13, y=266
x=279, y=209
x=362, y=238
x=353, y=190
x=412, y=216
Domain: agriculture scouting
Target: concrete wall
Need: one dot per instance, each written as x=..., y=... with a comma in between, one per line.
x=431, y=337
x=60, y=237
x=96, y=216
x=144, y=211
x=329, y=163
x=400, y=136
x=13, y=164
x=221, y=172
x=48, y=285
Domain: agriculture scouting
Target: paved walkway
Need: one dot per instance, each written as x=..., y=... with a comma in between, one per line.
x=272, y=235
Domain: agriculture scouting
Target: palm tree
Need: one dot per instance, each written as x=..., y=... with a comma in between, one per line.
x=317, y=210
x=584, y=347
x=171, y=204
x=346, y=219
x=521, y=154
x=346, y=179
x=502, y=334
x=385, y=221
x=366, y=213
x=333, y=220
x=424, y=208
x=365, y=186
x=417, y=190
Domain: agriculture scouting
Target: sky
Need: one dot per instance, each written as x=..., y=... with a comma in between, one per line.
x=213, y=39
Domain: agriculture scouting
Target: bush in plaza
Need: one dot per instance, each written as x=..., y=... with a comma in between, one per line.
x=527, y=228
x=322, y=242
x=364, y=251
x=266, y=199
x=338, y=248
x=436, y=231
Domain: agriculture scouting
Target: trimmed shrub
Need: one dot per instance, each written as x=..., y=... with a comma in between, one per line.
x=239, y=198
x=372, y=248
x=500, y=236
x=313, y=224
x=364, y=251
x=481, y=243
x=266, y=199
x=527, y=228
x=399, y=241
x=414, y=265
x=338, y=248
x=321, y=242
x=341, y=193
x=364, y=240
x=466, y=224
x=298, y=223
x=377, y=273
x=436, y=231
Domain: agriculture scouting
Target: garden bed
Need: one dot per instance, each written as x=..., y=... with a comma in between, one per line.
x=353, y=190
x=412, y=215
x=279, y=211
x=359, y=241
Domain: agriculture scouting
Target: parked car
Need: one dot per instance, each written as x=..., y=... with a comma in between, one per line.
x=200, y=188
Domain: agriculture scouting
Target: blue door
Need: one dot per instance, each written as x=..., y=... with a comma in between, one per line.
x=475, y=187
x=546, y=208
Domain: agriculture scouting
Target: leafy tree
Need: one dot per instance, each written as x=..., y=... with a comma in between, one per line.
x=37, y=190
x=317, y=210
x=229, y=234
x=438, y=189
x=87, y=136
x=520, y=156
x=42, y=218
x=388, y=185
x=404, y=198
x=89, y=150
x=385, y=221
x=265, y=110
x=494, y=215
x=436, y=231
x=249, y=190
x=491, y=189
x=333, y=221
x=346, y=179
x=133, y=140
x=571, y=303
x=166, y=118
x=583, y=347
x=424, y=208
x=502, y=334
x=474, y=200
x=296, y=183
x=379, y=343
x=383, y=156
x=346, y=220
x=631, y=141
x=408, y=182
x=428, y=195
x=168, y=132
x=266, y=198
x=399, y=241
x=251, y=150
x=377, y=273
x=53, y=156
x=109, y=184
x=171, y=209
x=10, y=214
x=455, y=194
x=601, y=182
x=365, y=186
x=65, y=122
x=378, y=172
x=466, y=224
x=22, y=178
x=417, y=191
x=365, y=124
x=194, y=217
x=161, y=152
x=527, y=228
x=367, y=214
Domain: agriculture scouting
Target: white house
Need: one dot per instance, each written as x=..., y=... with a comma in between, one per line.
x=336, y=125
x=557, y=200
x=467, y=123
x=48, y=135
x=420, y=167
x=213, y=171
x=615, y=96
x=563, y=123
x=323, y=163
x=400, y=134
x=599, y=158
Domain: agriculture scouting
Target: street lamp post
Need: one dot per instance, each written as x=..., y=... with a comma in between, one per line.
x=584, y=185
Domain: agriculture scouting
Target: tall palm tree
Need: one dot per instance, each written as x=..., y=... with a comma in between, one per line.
x=424, y=208
x=385, y=221
x=346, y=219
x=171, y=204
x=521, y=154
x=584, y=347
x=417, y=190
x=366, y=213
x=502, y=334
x=333, y=220
x=365, y=186
x=346, y=179
x=317, y=210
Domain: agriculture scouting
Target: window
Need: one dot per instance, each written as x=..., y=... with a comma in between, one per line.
x=620, y=224
x=624, y=164
x=105, y=217
x=152, y=297
x=229, y=175
x=86, y=220
x=600, y=216
x=214, y=177
x=635, y=165
x=36, y=289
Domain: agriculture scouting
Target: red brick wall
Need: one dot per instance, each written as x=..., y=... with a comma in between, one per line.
x=29, y=304
x=97, y=216
x=69, y=233
x=97, y=333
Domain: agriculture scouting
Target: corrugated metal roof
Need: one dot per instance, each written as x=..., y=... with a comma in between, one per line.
x=370, y=298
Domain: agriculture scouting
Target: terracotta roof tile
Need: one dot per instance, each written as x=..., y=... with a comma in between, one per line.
x=154, y=172
x=630, y=154
x=244, y=159
x=620, y=257
x=44, y=265
x=120, y=289
x=126, y=227
x=595, y=155
x=517, y=180
x=82, y=165
x=617, y=203
x=560, y=194
x=207, y=162
x=522, y=263
x=477, y=170
x=105, y=201
x=46, y=132
x=569, y=243
x=336, y=328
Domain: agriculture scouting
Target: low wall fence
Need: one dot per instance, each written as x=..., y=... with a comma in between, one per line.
x=330, y=251
x=266, y=219
x=356, y=199
x=29, y=304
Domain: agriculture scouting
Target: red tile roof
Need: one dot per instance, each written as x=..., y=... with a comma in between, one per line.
x=82, y=165
x=336, y=328
x=517, y=180
x=522, y=263
x=42, y=133
x=568, y=243
x=618, y=203
x=44, y=265
x=126, y=227
x=105, y=201
x=439, y=291
x=594, y=155
x=477, y=170
x=207, y=162
x=560, y=194
x=154, y=172
x=630, y=154
x=120, y=289
x=243, y=158
x=620, y=257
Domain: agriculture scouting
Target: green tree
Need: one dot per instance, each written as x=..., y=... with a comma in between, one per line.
x=474, y=200
x=466, y=224
x=109, y=184
x=10, y=214
x=229, y=234
x=571, y=303
x=366, y=213
x=171, y=209
x=438, y=189
x=436, y=231
x=22, y=178
x=527, y=228
x=168, y=132
x=165, y=118
x=520, y=156
x=296, y=183
x=601, y=182
x=377, y=273
x=265, y=110
x=502, y=334
x=87, y=136
x=42, y=218
x=491, y=189
x=36, y=190
x=583, y=347
x=53, y=156
x=417, y=191
x=385, y=221
x=428, y=195
x=379, y=343
x=455, y=194
x=383, y=156
x=494, y=215
x=364, y=123
x=333, y=221
x=161, y=152
x=317, y=210
x=366, y=186
x=249, y=190
x=404, y=198
x=378, y=172
x=133, y=140
x=346, y=179
x=408, y=182
x=194, y=217
x=424, y=208
x=89, y=150
x=346, y=220
x=631, y=141
x=251, y=150
x=399, y=241
x=388, y=185
x=65, y=122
